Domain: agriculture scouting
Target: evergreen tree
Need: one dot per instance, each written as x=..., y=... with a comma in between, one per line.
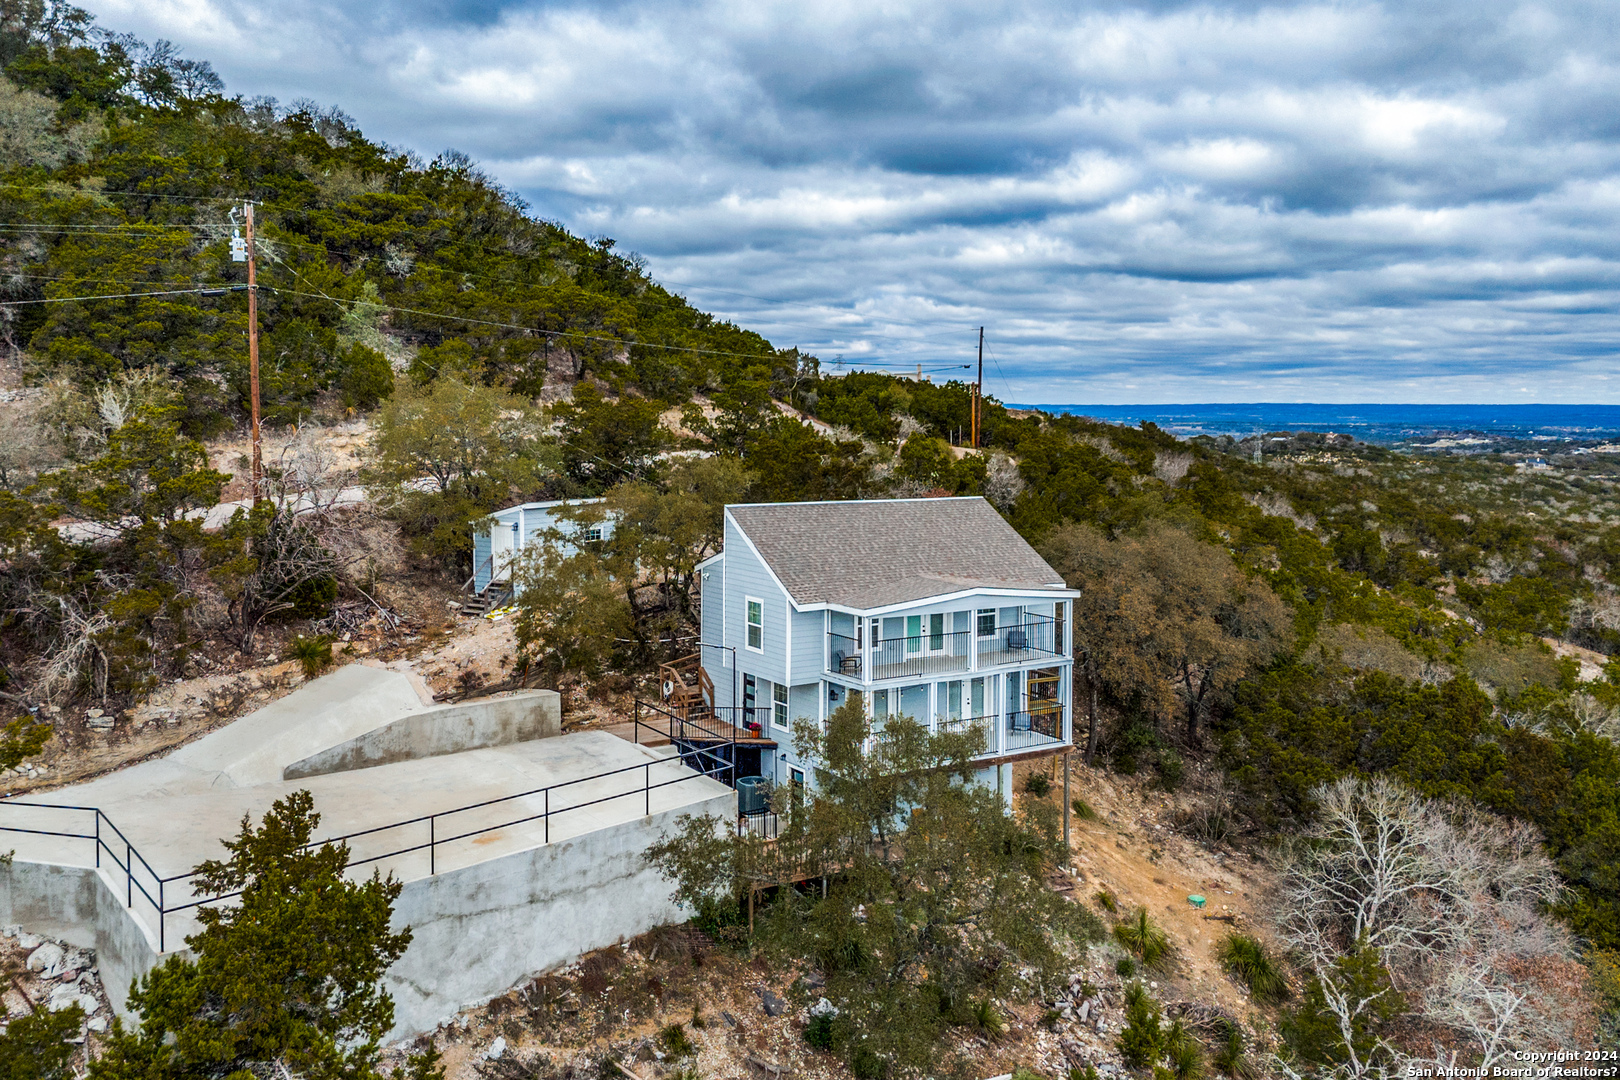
x=284, y=982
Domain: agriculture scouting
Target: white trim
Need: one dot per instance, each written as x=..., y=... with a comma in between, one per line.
x=747, y=626
x=945, y=598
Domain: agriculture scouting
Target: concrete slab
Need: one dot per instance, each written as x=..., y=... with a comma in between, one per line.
x=456, y=802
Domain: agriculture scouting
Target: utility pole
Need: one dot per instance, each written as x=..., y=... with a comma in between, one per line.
x=978, y=390
x=253, y=355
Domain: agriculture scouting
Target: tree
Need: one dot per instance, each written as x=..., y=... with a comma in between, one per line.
x=37, y=1046
x=660, y=532
x=448, y=454
x=571, y=610
x=454, y=434
x=935, y=896
x=1451, y=901
x=1347, y=1007
x=284, y=982
x=1163, y=616
x=602, y=442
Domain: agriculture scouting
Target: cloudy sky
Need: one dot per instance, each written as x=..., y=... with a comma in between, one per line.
x=1154, y=202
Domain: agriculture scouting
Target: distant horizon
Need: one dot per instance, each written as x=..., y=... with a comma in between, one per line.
x=1370, y=421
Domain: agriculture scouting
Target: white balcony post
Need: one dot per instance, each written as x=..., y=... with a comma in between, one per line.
x=1002, y=719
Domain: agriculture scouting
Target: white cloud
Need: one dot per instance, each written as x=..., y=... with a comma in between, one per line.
x=1184, y=201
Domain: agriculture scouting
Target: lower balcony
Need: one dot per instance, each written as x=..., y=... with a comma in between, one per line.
x=1013, y=733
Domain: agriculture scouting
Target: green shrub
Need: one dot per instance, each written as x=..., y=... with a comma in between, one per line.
x=865, y=1064
x=1125, y=967
x=1141, y=936
x=1141, y=1041
x=1245, y=959
x=1185, y=1055
x=1037, y=784
x=314, y=654
x=987, y=1018
x=675, y=1041
x=1172, y=770
x=1085, y=811
x=1106, y=900
x=819, y=1032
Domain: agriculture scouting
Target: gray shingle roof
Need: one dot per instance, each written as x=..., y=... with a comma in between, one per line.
x=871, y=553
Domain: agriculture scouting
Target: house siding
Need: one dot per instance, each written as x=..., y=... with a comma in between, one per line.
x=747, y=577
x=481, y=570
x=809, y=655
x=712, y=630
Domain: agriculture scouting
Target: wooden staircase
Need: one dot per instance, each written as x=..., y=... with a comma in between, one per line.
x=686, y=689
x=478, y=603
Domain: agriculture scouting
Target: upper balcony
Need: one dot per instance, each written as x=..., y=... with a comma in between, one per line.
x=910, y=645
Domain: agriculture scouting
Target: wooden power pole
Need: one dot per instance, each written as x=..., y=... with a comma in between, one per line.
x=253, y=355
x=978, y=390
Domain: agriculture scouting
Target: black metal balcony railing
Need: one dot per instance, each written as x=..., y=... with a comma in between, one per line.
x=893, y=658
x=936, y=653
x=1014, y=644
x=1039, y=727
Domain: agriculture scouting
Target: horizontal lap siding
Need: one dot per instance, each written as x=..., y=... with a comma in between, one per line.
x=809, y=645
x=711, y=611
x=481, y=560
x=746, y=576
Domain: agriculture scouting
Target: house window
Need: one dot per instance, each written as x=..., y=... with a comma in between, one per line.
x=779, y=702
x=750, y=691
x=987, y=622
x=756, y=625
x=591, y=534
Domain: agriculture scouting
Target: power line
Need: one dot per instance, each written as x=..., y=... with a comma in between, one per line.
x=200, y=290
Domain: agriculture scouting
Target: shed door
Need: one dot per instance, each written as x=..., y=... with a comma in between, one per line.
x=502, y=545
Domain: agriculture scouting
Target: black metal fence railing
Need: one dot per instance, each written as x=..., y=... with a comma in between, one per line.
x=110, y=841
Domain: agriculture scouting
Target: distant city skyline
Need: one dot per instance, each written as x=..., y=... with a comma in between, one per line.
x=1162, y=202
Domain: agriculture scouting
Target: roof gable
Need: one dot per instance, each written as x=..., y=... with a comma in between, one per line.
x=874, y=552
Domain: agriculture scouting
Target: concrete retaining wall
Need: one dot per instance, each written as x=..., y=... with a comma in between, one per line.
x=476, y=932
x=77, y=905
x=447, y=730
x=481, y=930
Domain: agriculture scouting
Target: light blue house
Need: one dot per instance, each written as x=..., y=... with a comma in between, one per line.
x=499, y=539
x=932, y=608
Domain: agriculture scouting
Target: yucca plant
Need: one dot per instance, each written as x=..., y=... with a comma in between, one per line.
x=987, y=1018
x=1232, y=1058
x=1141, y=936
x=314, y=654
x=1185, y=1055
x=1245, y=958
x=1084, y=810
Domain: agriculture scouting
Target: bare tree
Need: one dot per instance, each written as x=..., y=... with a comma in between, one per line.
x=1454, y=899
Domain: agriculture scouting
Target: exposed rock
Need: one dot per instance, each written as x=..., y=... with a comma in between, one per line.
x=47, y=959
